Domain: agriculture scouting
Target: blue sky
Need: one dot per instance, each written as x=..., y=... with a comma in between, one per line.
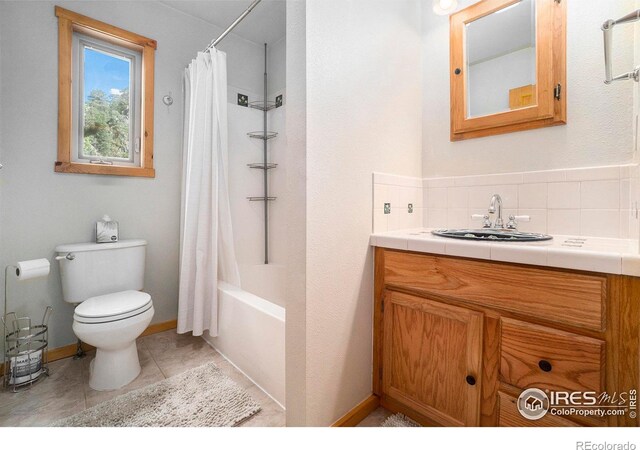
x=104, y=72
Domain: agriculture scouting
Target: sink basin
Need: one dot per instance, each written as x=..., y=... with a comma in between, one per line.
x=492, y=235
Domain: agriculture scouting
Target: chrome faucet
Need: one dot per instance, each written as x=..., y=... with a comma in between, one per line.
x=496, y=207
x=496, y=200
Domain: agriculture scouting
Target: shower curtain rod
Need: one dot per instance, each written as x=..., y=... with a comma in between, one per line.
x=233, y=25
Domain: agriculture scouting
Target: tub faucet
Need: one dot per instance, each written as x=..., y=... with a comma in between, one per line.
x=496, y=200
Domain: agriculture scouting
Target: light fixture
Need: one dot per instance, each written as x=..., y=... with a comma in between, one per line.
x=444, y=7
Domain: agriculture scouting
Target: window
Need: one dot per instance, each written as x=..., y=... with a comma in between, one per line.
x=108, y=101
x=105, y=99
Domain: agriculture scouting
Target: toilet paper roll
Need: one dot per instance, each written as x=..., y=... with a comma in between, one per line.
x=32, y=269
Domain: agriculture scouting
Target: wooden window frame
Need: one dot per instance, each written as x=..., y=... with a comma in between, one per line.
x=551, y=19
x=68, y=23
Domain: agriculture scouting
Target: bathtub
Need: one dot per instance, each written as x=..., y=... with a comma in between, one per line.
x=264, y=280
x=251, y=327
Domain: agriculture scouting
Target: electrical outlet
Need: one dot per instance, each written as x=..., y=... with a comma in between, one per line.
x=243, y=100
x=410, y=208
x=387, y=208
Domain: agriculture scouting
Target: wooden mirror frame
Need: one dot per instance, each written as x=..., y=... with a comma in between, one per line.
x=551, y=56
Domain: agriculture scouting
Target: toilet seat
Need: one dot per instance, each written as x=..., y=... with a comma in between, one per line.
x=113, y=307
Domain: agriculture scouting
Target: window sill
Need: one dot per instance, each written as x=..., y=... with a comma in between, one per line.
x=102, y=169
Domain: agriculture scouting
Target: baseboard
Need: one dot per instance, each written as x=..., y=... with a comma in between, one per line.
x=67, y=351
x=359, y=412
x=160, y=327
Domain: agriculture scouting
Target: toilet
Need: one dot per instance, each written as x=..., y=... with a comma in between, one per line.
x=105, y=281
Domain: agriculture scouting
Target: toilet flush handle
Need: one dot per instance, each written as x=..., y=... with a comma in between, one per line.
x=69, y=256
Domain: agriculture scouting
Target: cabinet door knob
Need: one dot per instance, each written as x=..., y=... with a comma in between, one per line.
x=544, y=365
x=471, y=380
x=457, y=71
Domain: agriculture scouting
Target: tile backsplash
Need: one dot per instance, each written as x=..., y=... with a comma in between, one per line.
x=400, y=194
x=598, y=201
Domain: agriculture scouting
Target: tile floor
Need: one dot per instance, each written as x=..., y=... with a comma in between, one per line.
x=375, y=418
x=162, y=355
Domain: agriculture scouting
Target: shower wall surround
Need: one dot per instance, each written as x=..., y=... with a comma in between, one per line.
x=597, y=201
x=253, y=58
x=248, y=217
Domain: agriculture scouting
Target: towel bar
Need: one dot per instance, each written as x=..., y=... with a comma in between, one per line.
x=607, y=29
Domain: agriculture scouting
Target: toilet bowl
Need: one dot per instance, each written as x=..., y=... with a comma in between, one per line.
x=112, y=323
x=105, y=282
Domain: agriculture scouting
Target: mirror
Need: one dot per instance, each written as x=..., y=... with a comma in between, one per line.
x=501, y=60
x=507, y=67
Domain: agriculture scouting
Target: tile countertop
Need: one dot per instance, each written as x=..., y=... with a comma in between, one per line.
x=615, y=256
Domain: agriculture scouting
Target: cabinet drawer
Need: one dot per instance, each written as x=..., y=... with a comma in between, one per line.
x=570, y=298
x=536, y=356
x=511, y=417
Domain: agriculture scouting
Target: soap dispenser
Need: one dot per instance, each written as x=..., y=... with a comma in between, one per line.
x=106, y=230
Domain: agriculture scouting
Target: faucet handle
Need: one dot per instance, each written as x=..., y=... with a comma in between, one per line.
x=484, y=217
x=513, y=221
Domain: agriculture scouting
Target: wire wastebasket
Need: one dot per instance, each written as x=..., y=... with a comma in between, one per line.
x=25, y=350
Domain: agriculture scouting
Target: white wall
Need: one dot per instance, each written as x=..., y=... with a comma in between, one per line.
x=247, y=217
x=277, y=153
x=41, y=209
x=491, y=80
x=276, y=65
x=635, y=188
x=636, y=90
x=296, y=365
x=2, y=13
x=599, y=116
x=363, y=115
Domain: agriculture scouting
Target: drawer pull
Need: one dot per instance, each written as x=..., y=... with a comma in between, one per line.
x=471, y=380
x=545, y=365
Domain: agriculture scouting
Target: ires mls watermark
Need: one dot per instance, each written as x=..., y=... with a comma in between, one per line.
x=534, y=403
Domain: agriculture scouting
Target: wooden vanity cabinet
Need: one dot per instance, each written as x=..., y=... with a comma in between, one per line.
x=457, y=340
x=432, y=357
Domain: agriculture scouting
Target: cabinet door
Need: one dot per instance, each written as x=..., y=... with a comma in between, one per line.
x=432, y=355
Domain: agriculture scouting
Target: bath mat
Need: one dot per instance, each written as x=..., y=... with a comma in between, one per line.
x=200, y=397
x=399, y=420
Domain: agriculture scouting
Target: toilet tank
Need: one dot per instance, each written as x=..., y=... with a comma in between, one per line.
x=99, y=269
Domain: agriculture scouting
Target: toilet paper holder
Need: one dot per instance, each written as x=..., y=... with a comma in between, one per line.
x=42, y=270
x=25, y=350
x=25, y=354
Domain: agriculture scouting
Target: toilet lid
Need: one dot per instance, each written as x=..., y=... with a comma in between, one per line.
x=123, y=304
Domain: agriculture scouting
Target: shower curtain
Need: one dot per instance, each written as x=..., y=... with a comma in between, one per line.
x=206, y=236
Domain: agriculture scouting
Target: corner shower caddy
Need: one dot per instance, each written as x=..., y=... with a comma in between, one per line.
x=265, y=165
